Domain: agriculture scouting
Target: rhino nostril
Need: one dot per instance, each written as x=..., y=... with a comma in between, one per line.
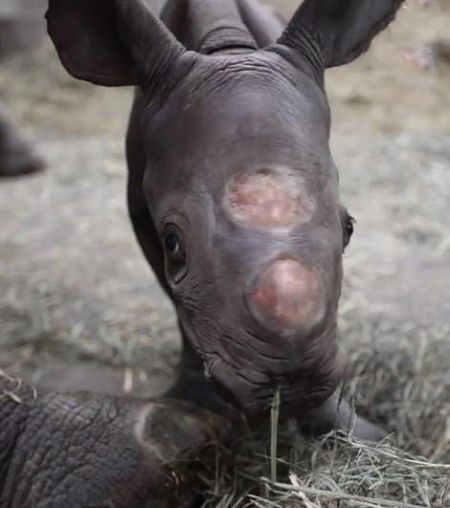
x=287, y=295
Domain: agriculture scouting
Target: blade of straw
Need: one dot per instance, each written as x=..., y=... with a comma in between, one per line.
x=274, y=416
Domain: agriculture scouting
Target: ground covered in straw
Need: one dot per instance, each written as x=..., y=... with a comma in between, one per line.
x=404, y=387
x=79, y=309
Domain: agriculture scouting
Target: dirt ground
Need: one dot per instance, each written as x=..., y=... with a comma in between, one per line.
x=79, y=308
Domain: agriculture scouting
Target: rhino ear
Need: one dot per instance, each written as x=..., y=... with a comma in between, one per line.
x=335, y=32
x=109, y=42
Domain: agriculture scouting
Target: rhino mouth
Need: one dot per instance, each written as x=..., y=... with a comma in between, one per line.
x=256, y=399
x=253, y=390
x=247, y=371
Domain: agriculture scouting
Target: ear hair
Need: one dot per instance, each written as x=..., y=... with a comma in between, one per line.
x=111, y=42
x=335, y=32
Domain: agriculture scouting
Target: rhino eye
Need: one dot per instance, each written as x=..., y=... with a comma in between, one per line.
x=172, y=243
x=348, y=229
x=175, y=256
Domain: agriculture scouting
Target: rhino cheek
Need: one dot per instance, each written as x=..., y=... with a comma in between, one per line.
x=243, y=386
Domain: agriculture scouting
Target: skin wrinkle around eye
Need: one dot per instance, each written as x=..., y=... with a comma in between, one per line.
x=268, y=199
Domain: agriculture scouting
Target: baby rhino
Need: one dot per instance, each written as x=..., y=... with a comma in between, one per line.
x=233, y=192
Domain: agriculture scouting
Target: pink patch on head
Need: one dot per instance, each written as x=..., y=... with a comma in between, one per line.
x=268, y=199
x=288, y=294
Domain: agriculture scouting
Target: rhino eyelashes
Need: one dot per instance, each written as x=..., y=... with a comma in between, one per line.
x=175, y=254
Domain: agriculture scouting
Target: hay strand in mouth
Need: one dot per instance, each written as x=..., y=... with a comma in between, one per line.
x=411, y=469
x=274, y=418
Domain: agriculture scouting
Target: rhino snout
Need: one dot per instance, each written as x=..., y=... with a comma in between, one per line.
x=287, y=296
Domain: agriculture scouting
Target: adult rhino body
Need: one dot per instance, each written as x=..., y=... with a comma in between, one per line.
x=21, y=28
x=233, y=192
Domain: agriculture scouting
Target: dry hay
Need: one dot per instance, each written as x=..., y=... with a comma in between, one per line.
x=404, y=387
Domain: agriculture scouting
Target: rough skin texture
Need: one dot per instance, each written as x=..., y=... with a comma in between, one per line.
x=82, y=450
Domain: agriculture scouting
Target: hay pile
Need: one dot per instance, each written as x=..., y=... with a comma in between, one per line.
x=406, y=388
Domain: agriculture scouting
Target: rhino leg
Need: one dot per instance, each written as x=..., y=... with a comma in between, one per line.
x=17, y=156
x=97, y=450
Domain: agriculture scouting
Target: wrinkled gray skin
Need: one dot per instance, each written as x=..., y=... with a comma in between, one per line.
x=91, y=450
x=20, y=29
x=229, y=104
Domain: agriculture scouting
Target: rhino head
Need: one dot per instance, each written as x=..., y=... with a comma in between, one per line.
x=229, y=148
